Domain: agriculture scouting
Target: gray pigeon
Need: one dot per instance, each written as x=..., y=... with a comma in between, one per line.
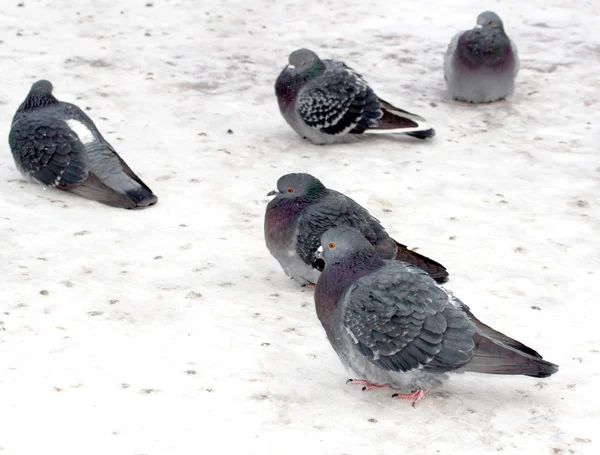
x=393, y=326
x=57, y=144
x=480, y=65
x=303, y=209
x=325, y=102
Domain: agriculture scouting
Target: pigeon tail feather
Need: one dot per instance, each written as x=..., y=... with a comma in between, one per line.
x=141, y=197
x=435, y=270
x=499, y=336
x=493, y=357
x=396, y=120
x=93, y=188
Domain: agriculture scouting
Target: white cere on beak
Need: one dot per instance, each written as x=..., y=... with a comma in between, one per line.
x=479, y=26
x=319, y=252
x=290, y=66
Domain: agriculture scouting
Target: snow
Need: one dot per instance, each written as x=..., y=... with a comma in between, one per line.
x=171, y=330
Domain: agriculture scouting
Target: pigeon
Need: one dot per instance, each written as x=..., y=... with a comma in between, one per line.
x=303, y=209
x=56, y=144
x=394, y=326
x=480, y=65
x=326, y=102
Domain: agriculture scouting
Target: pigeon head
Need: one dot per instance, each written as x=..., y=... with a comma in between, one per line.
x=291, y=186
x=489, y=19
x=303, y=60
x=303, y=66
x=341, y=242
x=42, y=87
x=348, y=256
x=39, y=96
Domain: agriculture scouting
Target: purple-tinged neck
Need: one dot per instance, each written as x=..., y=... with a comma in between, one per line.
x=280, y=216
x=490, y=49
x=289, y=82
x=281, y=209
x=337, y=278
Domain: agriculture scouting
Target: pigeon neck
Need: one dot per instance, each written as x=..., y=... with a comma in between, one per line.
x=37, y=101
x=289, y=83
x=487, y=48
x=497, y=31
x=316, y=191
x=317, y=68
x=281, y=211
x=339, y=275
x=295, y=205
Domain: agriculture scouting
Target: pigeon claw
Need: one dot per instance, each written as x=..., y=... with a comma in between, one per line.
x=415, y=396
x=367, y=385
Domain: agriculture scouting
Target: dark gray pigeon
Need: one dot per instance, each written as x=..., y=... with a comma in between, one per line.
x=57, y=144
x=393, y=326
x=325, y=101
x=303, y=209
x=480, y=65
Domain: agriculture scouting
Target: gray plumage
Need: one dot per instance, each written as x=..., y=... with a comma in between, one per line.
x=56, y=144
x=326, y=101
x=303, y=209
x=391, y=324
x=481, y=65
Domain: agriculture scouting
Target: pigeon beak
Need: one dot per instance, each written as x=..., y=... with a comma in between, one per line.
x=319, y=252
x=273, y=193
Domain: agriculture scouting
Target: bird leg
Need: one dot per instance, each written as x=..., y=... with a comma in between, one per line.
x=309, y=285
x=415, y=395
x=367, y=385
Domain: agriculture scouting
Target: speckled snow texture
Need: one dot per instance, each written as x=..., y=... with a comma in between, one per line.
x=173, y=331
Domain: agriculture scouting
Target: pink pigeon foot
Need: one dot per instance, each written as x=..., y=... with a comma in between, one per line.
x=415, y=396
x=367, y=385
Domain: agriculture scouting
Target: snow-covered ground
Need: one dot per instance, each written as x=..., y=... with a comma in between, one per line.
x=172, y=330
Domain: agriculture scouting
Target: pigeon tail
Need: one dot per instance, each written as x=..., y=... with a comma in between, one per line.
x=131, y=186
x=121, y=188
x=396, y=120
x=499, y=336
x=494, y=357
x=435, y=270
x=142, y=197
x=93, y=188
x=423, y=134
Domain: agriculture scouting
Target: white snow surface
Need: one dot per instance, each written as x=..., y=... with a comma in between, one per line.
x=171, y=330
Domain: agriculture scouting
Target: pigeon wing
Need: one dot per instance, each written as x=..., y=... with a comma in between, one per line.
x=50, y=152
x=339, y=102
x=335, y=210
x=400, y=320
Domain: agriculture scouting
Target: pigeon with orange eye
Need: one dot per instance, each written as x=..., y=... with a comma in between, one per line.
x=394, y=327
x=319, y=253
x=481, y=65
x=303, y=209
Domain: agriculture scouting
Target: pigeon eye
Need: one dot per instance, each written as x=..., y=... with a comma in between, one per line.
x=290, y=190
x=489, y=22
x=331, y=245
